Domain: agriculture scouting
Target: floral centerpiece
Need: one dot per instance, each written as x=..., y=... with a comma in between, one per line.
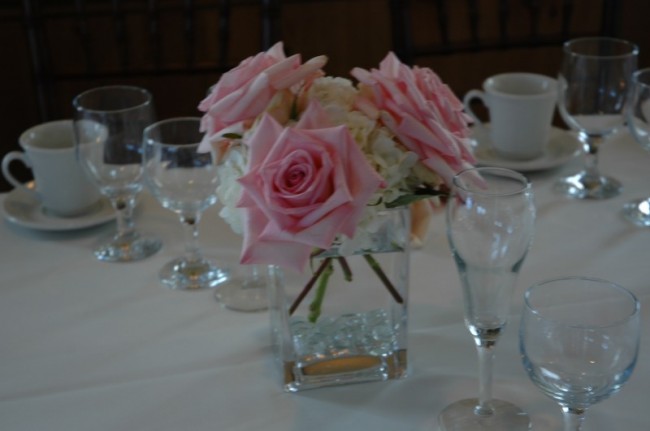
x=308, y=158
x=308, y=161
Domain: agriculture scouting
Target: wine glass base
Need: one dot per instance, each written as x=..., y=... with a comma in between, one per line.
x=638, y=212
x=128, y=248
x=243, y=293
x=462, y=416
x=183, y=274
x=585, y=186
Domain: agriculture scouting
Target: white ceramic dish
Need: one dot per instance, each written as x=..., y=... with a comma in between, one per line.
x=23, y=209
x=562, y=147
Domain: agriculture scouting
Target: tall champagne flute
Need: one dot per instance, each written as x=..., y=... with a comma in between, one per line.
x=579, y=341
x=108, y=123
x=490, y=223
x=185, y=181
x=638, y=121
x=593, y=86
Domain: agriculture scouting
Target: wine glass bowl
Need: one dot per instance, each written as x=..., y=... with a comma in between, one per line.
x=593, y=85
x=108, y=124
x=490, y=223
x=579, y=341
x=184, y=181
x=638, y=121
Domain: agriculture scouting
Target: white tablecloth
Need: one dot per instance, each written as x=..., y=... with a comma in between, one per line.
x=86, y=345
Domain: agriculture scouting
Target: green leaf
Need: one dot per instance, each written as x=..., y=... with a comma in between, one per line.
x=232, y=136
x=423, y=192
x=407, y=200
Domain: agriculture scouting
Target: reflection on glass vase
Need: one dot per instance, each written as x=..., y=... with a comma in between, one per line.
x=344, y=320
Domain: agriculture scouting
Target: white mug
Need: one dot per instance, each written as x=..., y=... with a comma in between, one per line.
x=62, y=187
x=521, y=107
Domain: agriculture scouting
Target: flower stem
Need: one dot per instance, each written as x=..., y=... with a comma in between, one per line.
x=347, y=272
x=315, y=306
x=384, y=279
x=309, y=285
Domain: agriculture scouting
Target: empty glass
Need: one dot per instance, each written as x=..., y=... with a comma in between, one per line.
x=593, y=85
x=184, y=181
x=108, y=124
x=638, y=121
x=246, y=288
x=579, y=341
x=490, y=223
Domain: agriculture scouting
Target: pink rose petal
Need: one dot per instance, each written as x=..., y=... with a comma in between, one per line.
x=421, y=111
x=302, y=187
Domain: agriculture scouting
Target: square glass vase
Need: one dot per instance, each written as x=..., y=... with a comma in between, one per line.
x=351, y=324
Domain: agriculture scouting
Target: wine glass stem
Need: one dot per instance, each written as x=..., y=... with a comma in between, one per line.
x=591, y=145
x=191, y=230
x=485, y=351
x=124, y=208
x=573, y=418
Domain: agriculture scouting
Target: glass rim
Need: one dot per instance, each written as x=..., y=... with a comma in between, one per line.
x=633, y=48
x=148, y=98
x=157, y=124
x=502, y=172
x=635, y=309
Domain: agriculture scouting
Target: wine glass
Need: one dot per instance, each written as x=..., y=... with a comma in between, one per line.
x=108, y=124
x=638, y=121
x=185, y=181
x=593, y=85
x=490, y=222
x=579, y=341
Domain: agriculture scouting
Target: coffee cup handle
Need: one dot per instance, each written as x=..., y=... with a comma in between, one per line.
x=473, y=94
x=6, y=161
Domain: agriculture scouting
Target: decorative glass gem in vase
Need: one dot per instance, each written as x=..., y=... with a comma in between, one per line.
x=318, y=174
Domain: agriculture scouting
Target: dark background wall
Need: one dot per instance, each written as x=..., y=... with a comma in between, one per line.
x=351, y=32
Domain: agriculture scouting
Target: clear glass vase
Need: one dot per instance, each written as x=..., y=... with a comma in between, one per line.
x=344, y=320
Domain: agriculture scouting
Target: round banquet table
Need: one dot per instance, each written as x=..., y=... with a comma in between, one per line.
x=88, y=345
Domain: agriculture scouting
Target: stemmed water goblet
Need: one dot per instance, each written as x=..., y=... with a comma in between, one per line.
x=184, y=181
x=579, y=341
x=108, y=125
x=593, y=85
x=490, y=223
x=638, y=121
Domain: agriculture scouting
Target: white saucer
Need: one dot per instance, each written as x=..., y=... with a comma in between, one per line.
x=562, y=147
x=22, y=208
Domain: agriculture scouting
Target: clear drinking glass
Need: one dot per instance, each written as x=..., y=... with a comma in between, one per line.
x=579, y=341
x=490, y=223
x=246, y=288
x=185, y=181
x=593, y=85
x=108, y=124
x=638, y=121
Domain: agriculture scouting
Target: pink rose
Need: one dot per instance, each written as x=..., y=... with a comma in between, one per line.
x=246, y=91
x=305, y=185
x=421, y=111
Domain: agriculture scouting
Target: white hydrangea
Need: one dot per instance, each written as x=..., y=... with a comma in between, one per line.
x=232, y=167
x=375, y=232
x=333, y=92
x=392, y=162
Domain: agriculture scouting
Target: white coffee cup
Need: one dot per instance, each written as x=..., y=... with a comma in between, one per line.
x=521, y=107
x=62, y=187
